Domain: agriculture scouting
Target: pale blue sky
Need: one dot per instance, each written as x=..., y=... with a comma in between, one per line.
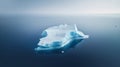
x=72, y=7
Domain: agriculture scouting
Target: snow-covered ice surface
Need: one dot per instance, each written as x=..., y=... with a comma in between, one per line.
x=57, y=37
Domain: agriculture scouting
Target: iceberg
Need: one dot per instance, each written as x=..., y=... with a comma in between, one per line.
x=59, y=38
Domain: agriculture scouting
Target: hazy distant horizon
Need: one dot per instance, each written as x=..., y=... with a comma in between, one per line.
x=59, y=7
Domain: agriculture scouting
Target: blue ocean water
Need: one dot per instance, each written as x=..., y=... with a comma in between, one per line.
x=20, y=34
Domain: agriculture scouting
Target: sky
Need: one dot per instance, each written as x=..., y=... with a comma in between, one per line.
x=59, y=7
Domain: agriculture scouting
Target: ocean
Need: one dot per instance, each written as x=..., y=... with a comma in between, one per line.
x=20, y=34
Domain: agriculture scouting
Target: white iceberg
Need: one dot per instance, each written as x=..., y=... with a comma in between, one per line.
x=60, y=37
